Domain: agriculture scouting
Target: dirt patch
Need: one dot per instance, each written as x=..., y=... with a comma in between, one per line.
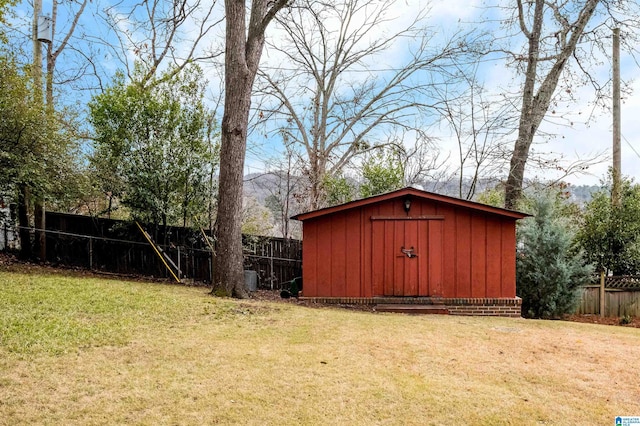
x=596, y=319
x=274, y=296
x=11, y=263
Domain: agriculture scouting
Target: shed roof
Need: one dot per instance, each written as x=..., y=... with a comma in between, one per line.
x=417, y=193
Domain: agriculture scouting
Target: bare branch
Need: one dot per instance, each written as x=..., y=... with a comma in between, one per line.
x=330, y=101
x=161, y=35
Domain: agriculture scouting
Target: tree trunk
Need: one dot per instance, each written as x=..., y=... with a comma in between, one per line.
x=110, y=206
x=229, y=263
x=49, y=84
x=242, y=57
x=40, y=226
x=316, y=177
x=535, y=104
x=51, y=60
x=228, y=269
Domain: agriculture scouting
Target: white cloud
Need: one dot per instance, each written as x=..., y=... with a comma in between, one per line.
x=588, y=136
x=454, y=10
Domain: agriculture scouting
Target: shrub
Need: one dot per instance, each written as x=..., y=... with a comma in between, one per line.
x=610, y=236
x=626, y=319
x=548, y=270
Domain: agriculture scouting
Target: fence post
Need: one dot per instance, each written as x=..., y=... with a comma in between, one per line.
x=602, y=304
x=272, y=275
x=90, y=254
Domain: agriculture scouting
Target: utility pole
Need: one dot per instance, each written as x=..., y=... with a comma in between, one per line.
x=38, y=205
x=616, y=169
x=617, y=173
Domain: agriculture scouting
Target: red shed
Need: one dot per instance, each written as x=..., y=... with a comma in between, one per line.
x=412, y=247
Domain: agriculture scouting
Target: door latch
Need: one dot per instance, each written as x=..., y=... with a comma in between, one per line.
x=408, y=252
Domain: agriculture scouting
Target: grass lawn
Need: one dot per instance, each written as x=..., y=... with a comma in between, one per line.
x=87, y=350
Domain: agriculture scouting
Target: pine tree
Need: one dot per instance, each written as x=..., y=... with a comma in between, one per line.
x=548, y=270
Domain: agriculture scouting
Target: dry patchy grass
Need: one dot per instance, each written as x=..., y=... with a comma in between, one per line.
x=140, y=353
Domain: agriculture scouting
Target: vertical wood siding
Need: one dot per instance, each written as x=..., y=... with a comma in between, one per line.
x=494, y=262
x=459, y=252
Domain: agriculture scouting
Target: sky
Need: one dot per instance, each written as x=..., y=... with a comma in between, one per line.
x=584, y=135
x=589, y=136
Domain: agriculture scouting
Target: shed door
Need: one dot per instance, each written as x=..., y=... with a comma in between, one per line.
x=407, y=257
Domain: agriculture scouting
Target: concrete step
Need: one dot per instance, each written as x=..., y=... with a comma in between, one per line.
x=412, y=309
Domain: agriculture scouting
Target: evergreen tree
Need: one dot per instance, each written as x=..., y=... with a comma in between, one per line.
x=548, y=269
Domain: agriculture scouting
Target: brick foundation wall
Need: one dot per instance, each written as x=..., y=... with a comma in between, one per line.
x=487, y=307
x=502, y=307
x=488, y=310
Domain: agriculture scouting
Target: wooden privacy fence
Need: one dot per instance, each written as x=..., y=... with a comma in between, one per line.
x=119, y=247
x=621, y=297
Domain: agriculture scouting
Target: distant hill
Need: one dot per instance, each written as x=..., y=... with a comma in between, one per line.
x=262, y=185
x=582, y=194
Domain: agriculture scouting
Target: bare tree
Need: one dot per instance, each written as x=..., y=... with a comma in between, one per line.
x=286, y=196
x=557, y=33
x=54, y=49
x=480, y=124
x=53, y=52
x=33, y=192
x=39, y=197
x=244, y=47
x=160, y=34
x=71, y=45
x=338, y=96
x=423, y=161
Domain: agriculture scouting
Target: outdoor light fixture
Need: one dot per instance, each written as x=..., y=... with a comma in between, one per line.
x=407, y=204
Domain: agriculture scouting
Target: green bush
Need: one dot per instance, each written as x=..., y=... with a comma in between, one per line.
x=610, y=236
x=626, y=319
x=548, y=269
